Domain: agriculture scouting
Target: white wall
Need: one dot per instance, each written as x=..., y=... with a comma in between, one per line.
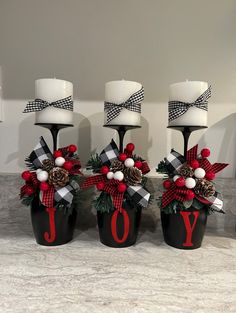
x=89, y=42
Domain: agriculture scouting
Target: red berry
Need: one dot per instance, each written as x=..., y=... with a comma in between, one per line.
x=167, y=184
x=210, y=175
x=130, y=147
x=72, y=148
x=194, y=164
x=68, y=165
x=122, y=157
x=100, y=185
x=205, y=153
x=57, y=154
x=190, y=195
x=104, y=169
x=44, y=186
x=180, y=182
x=29, y=190
x=122, y=187
x=26, y=175
x=138, y=164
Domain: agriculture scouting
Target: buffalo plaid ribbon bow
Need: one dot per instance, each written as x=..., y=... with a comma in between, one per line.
x=174, y=161
x=178, y=108
x=137, y=193
x=132, y=104
x=62, y=195
x=39, y=105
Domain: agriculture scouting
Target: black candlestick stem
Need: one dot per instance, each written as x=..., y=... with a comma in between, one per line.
x=186, y=132
x=122, y=129
x=54, y=129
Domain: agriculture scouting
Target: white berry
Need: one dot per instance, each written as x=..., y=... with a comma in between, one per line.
x=110, y=175
x=129, y=162
x=119, y=176
x=176, y=177
x=199, y=173
x=38, y=170
x=42, y=176
x=190, y=182
x=59, y=161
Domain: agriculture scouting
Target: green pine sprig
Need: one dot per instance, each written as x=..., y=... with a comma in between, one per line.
x=94, y=163
x=161, y=167
x=103, y=203
x=29, y=164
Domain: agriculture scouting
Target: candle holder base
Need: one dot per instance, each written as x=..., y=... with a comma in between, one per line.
x=122, y=129
x=186, y=132
x=54, y=129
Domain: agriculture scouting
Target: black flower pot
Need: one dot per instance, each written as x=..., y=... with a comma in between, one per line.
x=184, y=229
x=119, y=229
x=52, y=227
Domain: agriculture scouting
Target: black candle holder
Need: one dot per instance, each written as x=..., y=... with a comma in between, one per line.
x=122, y=129
x=54, y=129
x=186, y=132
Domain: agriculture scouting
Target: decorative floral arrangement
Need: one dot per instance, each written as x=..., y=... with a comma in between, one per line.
x=51, y=177
x=118, y=176
x=190, y=182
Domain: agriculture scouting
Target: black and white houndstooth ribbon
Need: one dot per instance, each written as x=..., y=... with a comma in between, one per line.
x=39, y=105
x=132, y=104
x=178, y=108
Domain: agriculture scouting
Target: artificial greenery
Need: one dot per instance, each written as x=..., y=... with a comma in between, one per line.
x=161, y=167
x=103, y=203
x=29, y=164
x=27, y=200
x=177, y=206
x=94, y=163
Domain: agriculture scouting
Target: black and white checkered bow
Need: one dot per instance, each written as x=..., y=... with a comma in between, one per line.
x=41, y=152
x=110, y=153
x=173, y=161
x=139, y=195
x=65, y=194
x=178, y=108
x=132, y=104
x=39, y=105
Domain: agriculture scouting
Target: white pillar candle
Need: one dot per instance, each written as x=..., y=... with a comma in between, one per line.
x=189, y=91
x=52, y=89
x=118, y=92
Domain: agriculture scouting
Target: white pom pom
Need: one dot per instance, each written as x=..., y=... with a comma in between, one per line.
x=190, y=182
x=42, y=176
x=59, y=161
x=119, y=176
x=110, y=175
x=38, y=170
x=199, y=172
x=175, y=177
x=129, y=162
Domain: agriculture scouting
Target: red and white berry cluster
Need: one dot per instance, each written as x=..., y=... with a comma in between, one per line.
x=118, y=175
x=42, y=175
x=190, y=182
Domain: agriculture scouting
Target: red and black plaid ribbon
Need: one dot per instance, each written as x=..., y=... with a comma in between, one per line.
x=48, y=197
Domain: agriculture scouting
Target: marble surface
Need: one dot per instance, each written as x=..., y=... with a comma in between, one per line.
x=85, y=276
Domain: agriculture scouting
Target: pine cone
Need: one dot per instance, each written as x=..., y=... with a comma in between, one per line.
x=204, y=188
x=117, y=166
x=58, y=177
x=186, y=171
x=132, y=176
x=48, y=165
